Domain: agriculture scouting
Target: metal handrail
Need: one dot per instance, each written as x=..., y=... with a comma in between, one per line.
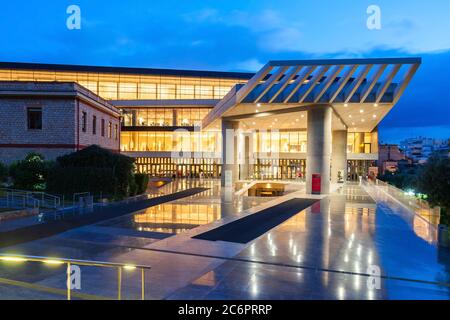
x=91, y=263
x=44, y=197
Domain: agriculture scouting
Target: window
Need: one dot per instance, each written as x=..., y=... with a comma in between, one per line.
x=34, y=116
x=94, y=125
x=116, y=131
x=103, y=127
x=83, y=121
x=109, y=130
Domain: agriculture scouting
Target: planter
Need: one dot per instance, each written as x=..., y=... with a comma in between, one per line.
x=17, y=214
x=444, y=236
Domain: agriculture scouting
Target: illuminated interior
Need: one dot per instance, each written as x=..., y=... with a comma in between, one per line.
x=168, y=141
x=116, y=86
x=160, y=117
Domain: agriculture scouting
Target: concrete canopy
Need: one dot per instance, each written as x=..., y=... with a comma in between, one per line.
x=360, y=91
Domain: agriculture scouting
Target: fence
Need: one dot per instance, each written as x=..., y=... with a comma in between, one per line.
x=14, y=259
x=419, y=206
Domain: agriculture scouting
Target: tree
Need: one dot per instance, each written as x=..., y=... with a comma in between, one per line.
x=94, y=170
x=402, y=179
x=30, y=173
x=434, y=181
x=3, y=172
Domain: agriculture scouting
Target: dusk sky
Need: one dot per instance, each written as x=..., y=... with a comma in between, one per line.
x=242, y=36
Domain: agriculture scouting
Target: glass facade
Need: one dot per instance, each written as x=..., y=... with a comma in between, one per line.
x=163, y=117
x=279, y=141
x=179, y=167
x=279, y=169
x=116, y=86
x=168, y=141
x=361, y=142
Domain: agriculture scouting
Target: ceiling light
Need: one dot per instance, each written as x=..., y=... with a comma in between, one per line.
x=303, y=115
x=296, y=120
x=375, y=104
x=374, y=116
x=362, y=120
x=345, y=104
x=349, y=115
x=258, y=105
x=361, y=111
x=253, y=122
x=256, y=111
x=276, y=119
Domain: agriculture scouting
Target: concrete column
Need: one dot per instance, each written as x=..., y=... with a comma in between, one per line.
x=244, y=155
x=318, y=155
x=339, y=155
x=226, y=203
x=229, y=153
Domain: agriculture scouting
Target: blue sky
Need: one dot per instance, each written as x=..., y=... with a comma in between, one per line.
x=243, y=35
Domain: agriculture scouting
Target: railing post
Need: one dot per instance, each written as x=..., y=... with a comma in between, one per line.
x=69, y=285
x=119, y=283
x=142, y=284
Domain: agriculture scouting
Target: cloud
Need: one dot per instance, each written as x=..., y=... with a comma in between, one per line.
x=283, y=39
x=251, y=65
x=330, y=32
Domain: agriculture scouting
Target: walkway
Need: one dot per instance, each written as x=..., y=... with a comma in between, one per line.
x=322, y=252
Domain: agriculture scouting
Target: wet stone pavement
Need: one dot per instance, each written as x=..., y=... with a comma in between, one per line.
x=322, y=252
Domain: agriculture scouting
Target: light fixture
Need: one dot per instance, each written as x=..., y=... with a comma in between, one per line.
x=258, y=105
x=297, y=120
x=361, y=111
x=50, y=261
x=345, y=104
x=362, y=120
x=129, y=267
x=256, y=110
x=349, y=115
x=375, y=104
x=374, y=116
x=303, y=115
x=13, y=259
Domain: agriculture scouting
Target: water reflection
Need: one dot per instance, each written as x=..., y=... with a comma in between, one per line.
x=187, y=213
x=176, y=218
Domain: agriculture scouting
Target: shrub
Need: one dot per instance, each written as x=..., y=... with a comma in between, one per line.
x=30, y=173
x=141, y=182
x=94, y=170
